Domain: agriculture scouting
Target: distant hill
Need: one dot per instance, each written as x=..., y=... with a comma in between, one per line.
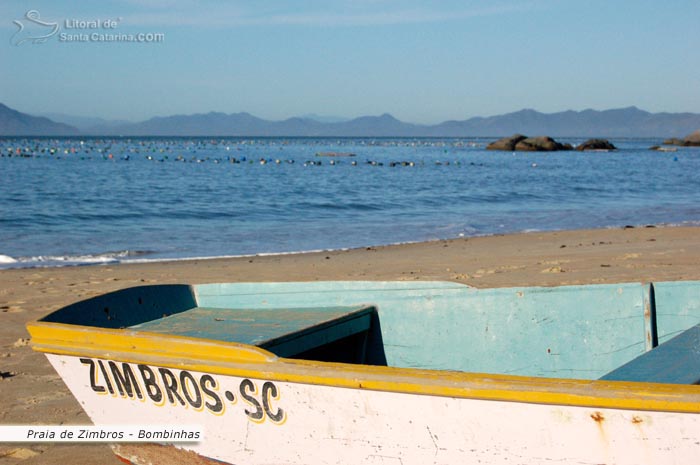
x=325, y=118
x=85, y=123
x=622, y=122
x=245, y=124
x=15, y=123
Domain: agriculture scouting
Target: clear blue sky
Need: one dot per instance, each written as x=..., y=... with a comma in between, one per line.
x=423, y=62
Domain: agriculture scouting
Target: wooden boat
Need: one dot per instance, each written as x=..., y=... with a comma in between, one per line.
x=390, y=372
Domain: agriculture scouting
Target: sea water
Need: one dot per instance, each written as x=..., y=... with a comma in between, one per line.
x=90, y=200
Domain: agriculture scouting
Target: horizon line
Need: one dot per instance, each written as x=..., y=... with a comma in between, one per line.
x=343, y=119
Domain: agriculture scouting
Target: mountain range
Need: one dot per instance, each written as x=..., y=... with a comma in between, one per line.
x=623, y=122
x=13, y=122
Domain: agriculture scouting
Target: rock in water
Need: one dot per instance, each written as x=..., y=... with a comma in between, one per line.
x=596, y=144
x=507, y=143
x=541, y=144
x=673, y=141
x=692, y=139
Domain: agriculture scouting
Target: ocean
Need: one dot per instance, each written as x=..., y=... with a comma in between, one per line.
x=77, y=201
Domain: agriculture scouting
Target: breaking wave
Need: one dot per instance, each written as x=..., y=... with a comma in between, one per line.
x=71, y=260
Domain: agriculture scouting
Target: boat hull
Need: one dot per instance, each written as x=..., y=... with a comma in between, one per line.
x=248, y=420
x=389, y=372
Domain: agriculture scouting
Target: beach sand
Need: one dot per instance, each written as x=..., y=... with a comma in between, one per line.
x=31, y=392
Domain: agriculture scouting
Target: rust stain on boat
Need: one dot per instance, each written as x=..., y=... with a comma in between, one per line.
x=637, y=420
x=599, y=420
x=647, y=325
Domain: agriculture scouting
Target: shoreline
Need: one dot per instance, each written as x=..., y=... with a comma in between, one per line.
x=94, y=259
x=33, y=393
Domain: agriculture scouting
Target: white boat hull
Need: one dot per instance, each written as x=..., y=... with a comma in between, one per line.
x=264, y=421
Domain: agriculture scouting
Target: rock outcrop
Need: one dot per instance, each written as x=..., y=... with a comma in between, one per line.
x=541, y=144
x=507, y=143
x=596, y=144
x=673, y=141
x=527, y=144
x=691, y=140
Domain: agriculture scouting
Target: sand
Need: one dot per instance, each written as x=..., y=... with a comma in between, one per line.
x=31, y=392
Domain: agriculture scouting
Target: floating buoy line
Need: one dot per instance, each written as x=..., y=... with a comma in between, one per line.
x=235, y=152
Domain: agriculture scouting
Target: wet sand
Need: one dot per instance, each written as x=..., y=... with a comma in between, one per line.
x=31, y=392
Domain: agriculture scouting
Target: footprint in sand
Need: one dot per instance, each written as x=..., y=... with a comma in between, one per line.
x=629, y=256
x=21, y=342
x=20, y=453
x=553, y=262
x=13, y=307
x=511, y=267
x=481, y=272
x=553, y=269
x=40, y=399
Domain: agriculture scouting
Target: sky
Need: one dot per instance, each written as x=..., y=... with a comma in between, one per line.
x=421, y=61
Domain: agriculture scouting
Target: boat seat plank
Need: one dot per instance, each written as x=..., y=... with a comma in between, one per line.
x=283, y=331
x=676, y=361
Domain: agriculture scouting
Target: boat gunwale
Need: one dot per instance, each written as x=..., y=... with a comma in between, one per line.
x=241, y=360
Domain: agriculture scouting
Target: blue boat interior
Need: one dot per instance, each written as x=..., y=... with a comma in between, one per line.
x=633, y=332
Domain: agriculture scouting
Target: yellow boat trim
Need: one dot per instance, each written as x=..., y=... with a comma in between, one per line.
x=246, y=361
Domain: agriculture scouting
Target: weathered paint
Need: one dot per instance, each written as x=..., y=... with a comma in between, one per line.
x=676, y=361
x=261, y=408
x=247, y=361
x=651, y=339
x=299, y=423
x=127, y=307
x=280, y=330
x=569, y=331
x=677, y=307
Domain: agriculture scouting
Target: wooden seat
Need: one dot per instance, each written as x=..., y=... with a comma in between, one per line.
x=676, y=361
x=286, y=332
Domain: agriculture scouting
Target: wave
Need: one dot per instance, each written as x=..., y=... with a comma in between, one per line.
x=7, y=261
